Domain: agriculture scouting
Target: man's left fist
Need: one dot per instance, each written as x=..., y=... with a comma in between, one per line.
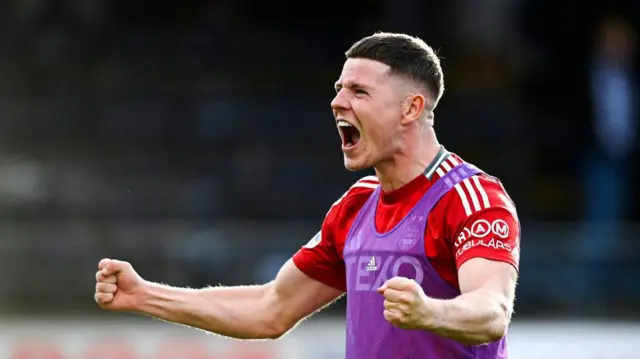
x=405, y=304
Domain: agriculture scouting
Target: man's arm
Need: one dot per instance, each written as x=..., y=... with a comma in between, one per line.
x=313, y=278
x=484, y=237
x=248, y=312
x=481, y=314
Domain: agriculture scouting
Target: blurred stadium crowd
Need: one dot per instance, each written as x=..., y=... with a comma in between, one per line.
x=197, y=141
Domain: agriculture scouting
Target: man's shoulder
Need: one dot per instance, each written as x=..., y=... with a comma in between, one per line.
x=476, y=193
x=353, y=199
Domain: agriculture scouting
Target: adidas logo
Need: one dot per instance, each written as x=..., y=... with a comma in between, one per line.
x=371, y=266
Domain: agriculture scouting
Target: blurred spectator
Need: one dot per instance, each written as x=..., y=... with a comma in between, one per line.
x=614, y=96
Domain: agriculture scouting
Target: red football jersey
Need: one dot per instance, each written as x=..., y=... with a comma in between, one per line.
x=475, y=219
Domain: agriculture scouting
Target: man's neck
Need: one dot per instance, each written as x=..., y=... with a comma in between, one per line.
x=404, y=168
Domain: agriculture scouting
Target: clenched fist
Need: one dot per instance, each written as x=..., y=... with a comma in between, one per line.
x=405, y=304
x=117, y=285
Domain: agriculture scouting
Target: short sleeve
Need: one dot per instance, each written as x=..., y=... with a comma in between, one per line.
x=482, y=222
x=492, y=234
x=320, y=259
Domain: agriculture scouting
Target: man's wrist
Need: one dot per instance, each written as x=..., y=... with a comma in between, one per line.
x=431, y=313
x=145, y=294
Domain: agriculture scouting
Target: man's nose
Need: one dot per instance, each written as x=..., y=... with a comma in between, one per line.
x=340, y=101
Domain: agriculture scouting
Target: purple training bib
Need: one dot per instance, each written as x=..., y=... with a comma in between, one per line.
x=371, y=258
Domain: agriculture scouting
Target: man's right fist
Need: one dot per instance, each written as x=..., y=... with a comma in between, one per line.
x=117, y=285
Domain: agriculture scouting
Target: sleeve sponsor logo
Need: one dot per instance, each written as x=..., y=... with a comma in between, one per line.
x=480, y=228
x=500, y=228
x=462, y=237
x=486, y=234
x=486, y=243
x=314, y=241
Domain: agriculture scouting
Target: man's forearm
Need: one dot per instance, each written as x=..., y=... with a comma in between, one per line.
x=237, y=312
x=476, y=317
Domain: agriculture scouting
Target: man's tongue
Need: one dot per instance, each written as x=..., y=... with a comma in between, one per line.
x=352, y=136
x=355, y=137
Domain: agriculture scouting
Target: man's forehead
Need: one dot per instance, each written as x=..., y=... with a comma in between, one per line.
x=362, y=71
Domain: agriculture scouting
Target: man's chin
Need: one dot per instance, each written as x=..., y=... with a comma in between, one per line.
x=352, y=164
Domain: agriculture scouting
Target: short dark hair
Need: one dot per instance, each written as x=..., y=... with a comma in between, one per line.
x=406, y=55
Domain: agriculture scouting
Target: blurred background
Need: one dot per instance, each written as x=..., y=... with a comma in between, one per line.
x=197, y=142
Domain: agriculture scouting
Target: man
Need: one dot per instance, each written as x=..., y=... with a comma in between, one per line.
x=413, y=290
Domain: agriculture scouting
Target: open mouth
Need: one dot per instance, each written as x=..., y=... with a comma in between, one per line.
x=350, y=134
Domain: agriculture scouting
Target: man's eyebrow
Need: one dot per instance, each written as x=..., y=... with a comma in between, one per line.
x=350, y=84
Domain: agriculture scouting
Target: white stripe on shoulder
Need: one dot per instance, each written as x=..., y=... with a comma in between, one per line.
x=367, y=182
x=446, y=167
x=371, y=183
x=475, y=197
x=483, y=193
x=369, y=178
x=365, y=185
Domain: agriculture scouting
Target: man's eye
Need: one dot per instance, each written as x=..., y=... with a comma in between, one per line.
x=360, y=92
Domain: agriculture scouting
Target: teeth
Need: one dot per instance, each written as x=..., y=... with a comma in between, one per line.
x=343, y=123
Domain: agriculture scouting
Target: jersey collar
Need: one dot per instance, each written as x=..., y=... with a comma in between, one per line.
x=442, y=155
